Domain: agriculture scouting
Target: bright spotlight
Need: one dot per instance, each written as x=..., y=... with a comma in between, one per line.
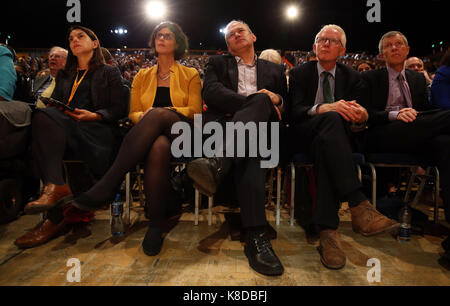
x=223, y=31
x=292, y=12
x=120, y=31
x=116, y=31
x=155, y=9
x=125, y=31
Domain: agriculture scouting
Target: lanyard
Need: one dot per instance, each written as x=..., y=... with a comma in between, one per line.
x=75, y=85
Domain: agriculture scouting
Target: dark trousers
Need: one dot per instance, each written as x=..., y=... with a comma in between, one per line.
x=249, y=177
x=326, y=138
x=428, y=135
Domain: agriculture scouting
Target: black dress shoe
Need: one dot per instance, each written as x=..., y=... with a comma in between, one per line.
x=208, y=173
x=151, y=245
x=261, y=256
x=86, y=203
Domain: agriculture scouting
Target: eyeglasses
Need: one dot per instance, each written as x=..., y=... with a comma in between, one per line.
x=56, y=56
x=332, y=41
x=397, y=44
x=165, y=36
x=240, y=31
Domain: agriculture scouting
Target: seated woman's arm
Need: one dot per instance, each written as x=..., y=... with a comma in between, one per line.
x=136, y=107
x=194, y=105
x=118, y=104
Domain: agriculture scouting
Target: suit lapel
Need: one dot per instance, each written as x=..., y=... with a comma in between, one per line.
x=314, y=85
x=259, y=74
x=233, y=72
x=338, y=84
x=384, y=88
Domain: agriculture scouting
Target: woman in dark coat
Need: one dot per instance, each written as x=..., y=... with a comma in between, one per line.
x=89, y=133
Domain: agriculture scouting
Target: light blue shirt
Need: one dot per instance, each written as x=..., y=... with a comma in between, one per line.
x=319, y=94
x=8, y=74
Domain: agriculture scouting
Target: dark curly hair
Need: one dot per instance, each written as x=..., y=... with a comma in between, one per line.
x=180, y=38
x=96, y=60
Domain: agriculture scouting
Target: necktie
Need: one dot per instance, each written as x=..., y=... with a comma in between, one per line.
x=326, y=87
x=46, y=94
x=404, y=90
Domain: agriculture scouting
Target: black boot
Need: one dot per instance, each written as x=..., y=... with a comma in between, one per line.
x=208, y=173
x=152, y=242
x=260, y=254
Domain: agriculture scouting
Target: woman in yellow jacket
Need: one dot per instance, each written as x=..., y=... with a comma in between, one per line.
x=160, y=96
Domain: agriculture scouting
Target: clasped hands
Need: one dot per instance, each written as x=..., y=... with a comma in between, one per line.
x=407, y=115
x=276, y=100
x=349, y=110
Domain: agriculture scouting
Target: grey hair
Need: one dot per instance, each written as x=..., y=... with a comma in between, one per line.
x=337, y=28
x=236, y=21
x=391, y=34
x=56, y=48
x=271, y=55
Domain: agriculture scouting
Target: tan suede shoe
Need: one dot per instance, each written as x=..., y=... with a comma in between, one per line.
x=367, y=221
x=52, y=196
x=41, y=234
x=330, y=249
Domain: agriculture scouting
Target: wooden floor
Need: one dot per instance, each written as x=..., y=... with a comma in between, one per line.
x=205, y=255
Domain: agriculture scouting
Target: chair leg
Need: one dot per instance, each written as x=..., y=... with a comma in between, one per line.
x=421, y=186
x=291, y=221
x=278, y=209
x=197, y=204
x=210, y=206
x=374, y=184
x=436, y=195
x=128, y=197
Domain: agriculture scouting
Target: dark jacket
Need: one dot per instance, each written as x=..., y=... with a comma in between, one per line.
x=221, y=84
x=107, y=92
x=376, y=93
x=303, y=84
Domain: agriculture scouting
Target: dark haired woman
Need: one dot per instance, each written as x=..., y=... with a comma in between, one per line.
x=89, y=133
x=160, y=96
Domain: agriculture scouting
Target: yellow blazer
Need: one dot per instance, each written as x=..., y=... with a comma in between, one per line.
x=185, y=91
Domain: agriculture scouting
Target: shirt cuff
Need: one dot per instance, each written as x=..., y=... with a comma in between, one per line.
x=393, y=115
x=313, y=110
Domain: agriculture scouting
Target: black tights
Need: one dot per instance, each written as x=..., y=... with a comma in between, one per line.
x=48, y=147
x=149, y=141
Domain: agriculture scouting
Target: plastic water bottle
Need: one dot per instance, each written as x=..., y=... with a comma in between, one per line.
x=404, y=232
x=117, y=228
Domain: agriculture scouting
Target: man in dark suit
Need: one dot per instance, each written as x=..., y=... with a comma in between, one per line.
x=400, y=116
x=325, y=109
x=31, y=90
x=242, y=88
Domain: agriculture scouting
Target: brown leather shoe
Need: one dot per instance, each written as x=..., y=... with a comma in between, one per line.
x=52, y=196
x=367, y=221
x=330, y=249
x=41, y=234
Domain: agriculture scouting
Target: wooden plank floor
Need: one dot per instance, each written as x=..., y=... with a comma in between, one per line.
x=205, y=255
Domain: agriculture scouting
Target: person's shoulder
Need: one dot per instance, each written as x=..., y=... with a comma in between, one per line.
x=271, y=64
x=304, y=68
x=375, y=74
x=190, y=71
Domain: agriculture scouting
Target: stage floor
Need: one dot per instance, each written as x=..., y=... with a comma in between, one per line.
x=205, y=255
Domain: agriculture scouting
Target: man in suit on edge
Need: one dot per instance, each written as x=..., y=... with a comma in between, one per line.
x=242, y=88
x=400, y=116
x=325, y=97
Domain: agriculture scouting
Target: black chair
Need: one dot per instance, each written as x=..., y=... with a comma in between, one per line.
x=304, y=160
x=402, y=160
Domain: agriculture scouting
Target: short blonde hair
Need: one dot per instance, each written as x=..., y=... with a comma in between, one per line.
x=271, y=55
x=337, y=28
